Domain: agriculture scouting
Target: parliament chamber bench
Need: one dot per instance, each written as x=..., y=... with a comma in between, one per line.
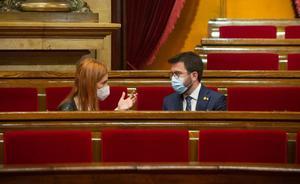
x=58, y=84
x=217, y=173
x=249, y=57
x=97, y=122
x=254, y=28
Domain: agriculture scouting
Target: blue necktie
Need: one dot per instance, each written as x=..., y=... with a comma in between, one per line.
x=188, y=103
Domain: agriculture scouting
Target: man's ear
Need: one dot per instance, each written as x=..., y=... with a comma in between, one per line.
x=195, y=75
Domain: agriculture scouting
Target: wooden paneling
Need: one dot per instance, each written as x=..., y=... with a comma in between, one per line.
x=175, y=173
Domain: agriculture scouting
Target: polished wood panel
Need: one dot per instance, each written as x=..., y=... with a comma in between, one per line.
x=152, y=173
x=250, y=42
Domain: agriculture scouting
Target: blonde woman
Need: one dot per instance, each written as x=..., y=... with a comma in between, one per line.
x=90, y=85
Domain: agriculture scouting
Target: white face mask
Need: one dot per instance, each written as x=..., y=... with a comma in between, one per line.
x=103, y=92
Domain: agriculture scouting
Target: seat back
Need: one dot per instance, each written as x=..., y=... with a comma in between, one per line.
x=263, y=98
x=111, y=102
x=293, y=62
x=55, y=95
x=248, y=31
x=151, y=98
x=242, y=61
x=138, y=145
x=259, y=146
x=292, y=32
x=298, y=148
x=42, y=147
x=18, y=99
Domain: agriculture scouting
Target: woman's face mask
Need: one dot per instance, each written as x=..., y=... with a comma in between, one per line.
x=103, y=93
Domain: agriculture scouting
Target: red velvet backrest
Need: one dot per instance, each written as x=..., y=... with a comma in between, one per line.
x=242, y=61
x=111, y=102
x=151, y=98
x=298, y=148
x=18, y=99
x=293, y=62
x=258, y=146
x=55, y=95
x=248, y=32
x=138, y=145
x=292, y=32
x=41, y=147
x=263, y=98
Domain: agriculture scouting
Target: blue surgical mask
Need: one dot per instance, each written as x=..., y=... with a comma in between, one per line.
x=177, y=84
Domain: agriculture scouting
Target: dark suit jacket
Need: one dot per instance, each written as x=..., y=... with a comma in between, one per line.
x=213, y=102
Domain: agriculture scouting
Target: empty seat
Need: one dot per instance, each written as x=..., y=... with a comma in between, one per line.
x=151, y=98
x=298, y=148
x=138, y=145
x=263, y=98
x=248, y=32
x=41, y=147
x=18, y=99
x=292, y=32
x=55, y=95
x=242, y=61
x=293, y=62
x=111, y=102
x=257, y=146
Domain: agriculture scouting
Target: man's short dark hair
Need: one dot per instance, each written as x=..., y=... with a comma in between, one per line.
x=192, y=62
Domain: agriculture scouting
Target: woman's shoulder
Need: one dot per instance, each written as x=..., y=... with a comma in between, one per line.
x=68, y=106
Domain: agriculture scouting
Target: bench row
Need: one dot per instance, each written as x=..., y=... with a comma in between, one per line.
x=151, y=98
x=146, y=145
x=253, y=28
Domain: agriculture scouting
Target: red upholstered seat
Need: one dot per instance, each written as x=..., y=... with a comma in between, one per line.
x=18, y=99
x=41, y=147
x=298, y=148
x=137, y=145
x=242, y=61
x=248, y=32
x=263, y=98
x=293, y=62
x=259, y=146
x=151, y=98
x=55, y=95
x=292, y=32
x=111, y=102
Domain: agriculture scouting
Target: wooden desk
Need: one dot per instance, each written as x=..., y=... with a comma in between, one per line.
x=213, y=173
x=56, y=36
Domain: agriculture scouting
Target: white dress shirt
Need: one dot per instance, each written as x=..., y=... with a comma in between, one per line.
x=194, y=100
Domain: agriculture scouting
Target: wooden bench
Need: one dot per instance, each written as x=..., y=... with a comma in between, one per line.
x=215, y=24
x=281, y=51
x=132, y=79
x=152, y=173
x=192, y=121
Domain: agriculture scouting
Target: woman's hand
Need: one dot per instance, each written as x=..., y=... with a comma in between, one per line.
x=125, y=104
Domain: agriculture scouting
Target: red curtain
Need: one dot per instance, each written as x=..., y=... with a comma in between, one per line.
x=148, y=24
x=296, y=4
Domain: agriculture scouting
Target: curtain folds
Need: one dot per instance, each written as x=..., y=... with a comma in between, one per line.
x=296, y=5
x=148, y=25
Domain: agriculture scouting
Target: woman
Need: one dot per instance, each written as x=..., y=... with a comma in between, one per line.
x=90, y=85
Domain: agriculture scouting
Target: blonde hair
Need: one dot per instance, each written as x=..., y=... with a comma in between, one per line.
x=89, y=72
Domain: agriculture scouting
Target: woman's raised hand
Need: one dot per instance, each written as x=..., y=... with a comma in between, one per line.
x=126, y=103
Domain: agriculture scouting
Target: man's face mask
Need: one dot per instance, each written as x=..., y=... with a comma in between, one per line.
x=178, y=84
x=103, y=92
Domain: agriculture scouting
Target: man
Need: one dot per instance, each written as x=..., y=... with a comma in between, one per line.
x=191, y=94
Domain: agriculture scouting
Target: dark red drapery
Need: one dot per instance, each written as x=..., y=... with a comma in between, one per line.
x=148, y=24
x=296, y=4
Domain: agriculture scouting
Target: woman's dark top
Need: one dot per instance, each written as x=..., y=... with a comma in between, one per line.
x=68, y=106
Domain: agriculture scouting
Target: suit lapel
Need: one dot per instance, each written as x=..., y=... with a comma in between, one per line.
x=202, y=99
x=178, y=102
